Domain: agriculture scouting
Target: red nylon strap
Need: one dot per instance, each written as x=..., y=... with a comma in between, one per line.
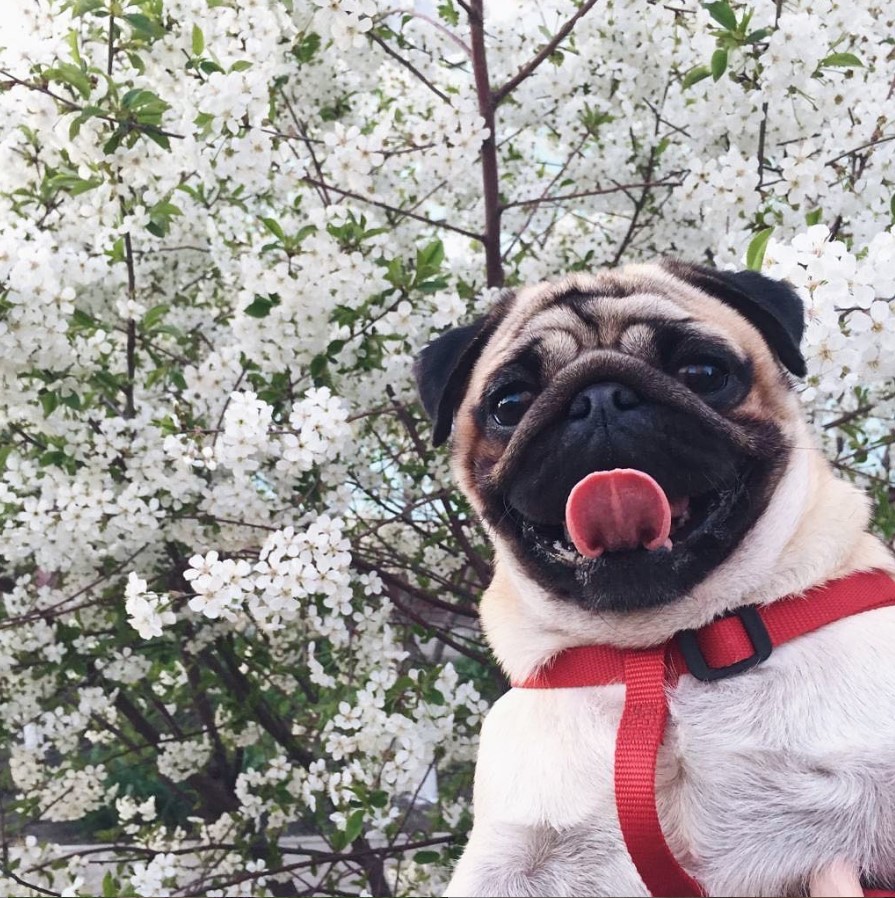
x=724, y=641
x=637, y=746
x=647, y=672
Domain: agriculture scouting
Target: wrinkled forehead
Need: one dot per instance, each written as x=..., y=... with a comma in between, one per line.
x=628, y=311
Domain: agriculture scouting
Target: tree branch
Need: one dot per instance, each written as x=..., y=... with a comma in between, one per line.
x=501, y=93
x=303, y=133
x=488, y=153
x=396, y=210
x=517, y=236
x=251, y=698
x=864, y=146
x=129, y=408
x=198, y=886
x=409, y=66
x=110, y=47
x=857, y=413
x=600, y=191
x=74, y=107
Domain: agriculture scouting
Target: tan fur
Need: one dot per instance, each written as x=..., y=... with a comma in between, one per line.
x=545, y=818
x=814, y=530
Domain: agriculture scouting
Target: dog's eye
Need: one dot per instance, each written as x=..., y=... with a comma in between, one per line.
x=703, y=377
x=508, y=406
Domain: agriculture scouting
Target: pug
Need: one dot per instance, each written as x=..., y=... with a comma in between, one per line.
x=634, y=445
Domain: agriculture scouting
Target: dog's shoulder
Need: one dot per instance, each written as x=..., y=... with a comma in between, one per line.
x=546, y=756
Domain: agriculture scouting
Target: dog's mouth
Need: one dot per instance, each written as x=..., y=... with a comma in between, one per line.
x=623, y=512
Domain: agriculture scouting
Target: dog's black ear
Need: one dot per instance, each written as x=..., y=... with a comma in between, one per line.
x=442, y=370
x=773, y=307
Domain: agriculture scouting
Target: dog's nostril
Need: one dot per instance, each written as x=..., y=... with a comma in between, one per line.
x=625, y=398
x=605, y=396
x=580, y=407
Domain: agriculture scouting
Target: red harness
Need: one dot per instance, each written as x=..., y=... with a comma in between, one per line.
x=729, y=645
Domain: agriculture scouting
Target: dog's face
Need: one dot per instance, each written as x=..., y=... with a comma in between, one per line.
x=620, y=434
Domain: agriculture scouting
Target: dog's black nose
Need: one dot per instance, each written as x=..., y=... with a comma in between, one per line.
x=605, y=400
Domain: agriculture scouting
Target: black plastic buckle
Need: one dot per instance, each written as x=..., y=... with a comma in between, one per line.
x=758, y=636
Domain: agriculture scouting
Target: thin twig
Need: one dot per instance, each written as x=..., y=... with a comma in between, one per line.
x=409, y=66
x=858, y=412
x=29, y=885
x=433, y=22
x=219, y=425
x=38, y=613
x=864, y=146
x=641, y=201
x=314, y=861
x=599, y=191
x=110, y=53
x=396, y=210
x=303, y=132
x=517, y=236
x=129, y=408
x=501, y=93
x=75, y=107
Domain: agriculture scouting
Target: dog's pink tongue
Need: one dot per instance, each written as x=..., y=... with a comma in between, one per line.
x=621, y=509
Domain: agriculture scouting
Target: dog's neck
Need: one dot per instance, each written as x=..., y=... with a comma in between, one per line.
x=814, y=529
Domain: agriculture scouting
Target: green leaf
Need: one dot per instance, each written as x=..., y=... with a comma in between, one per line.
x=72, y=75
x=49, y=402
x=5, y=451
x=892, y=205
x=80, y=320
x=54, y=457
x=695, y=75
x=160, y=217
x=154, y=316
x=428, y=261
x=448, y=12
x=307, y=45
x=426, y=857
x=144, y=27
x=354, y=826
x=198, y=41
x=719, y=63
x=72, y=184
x=73, y=45
x=82, y=7
x=842, y=60
x=757, y=246
x=139, y=98
x=261, y=305
x=273, y=226
x=159, y=138
x=814, y=217
x=377, y=799
x=110, y=886
x=303, y=232
x=87, y=112
x=755, y=37
x=721, y=12
x=241, y=65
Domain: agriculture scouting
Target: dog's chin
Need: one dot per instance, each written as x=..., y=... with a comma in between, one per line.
x=712, y=526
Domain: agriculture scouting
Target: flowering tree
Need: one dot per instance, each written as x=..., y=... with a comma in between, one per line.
x=238, y=594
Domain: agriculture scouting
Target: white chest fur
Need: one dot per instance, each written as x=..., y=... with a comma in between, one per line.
x=762, y=777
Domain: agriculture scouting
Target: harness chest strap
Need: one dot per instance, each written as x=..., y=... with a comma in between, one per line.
x=729, y=645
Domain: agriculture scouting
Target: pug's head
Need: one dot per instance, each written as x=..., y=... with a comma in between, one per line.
x=621, y=434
